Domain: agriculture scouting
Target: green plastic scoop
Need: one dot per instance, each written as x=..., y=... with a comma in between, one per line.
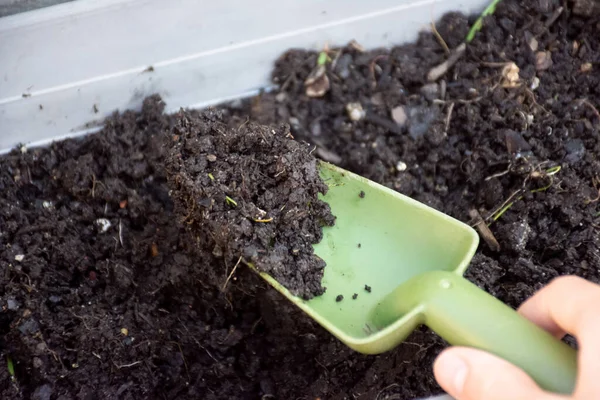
x=405, y=261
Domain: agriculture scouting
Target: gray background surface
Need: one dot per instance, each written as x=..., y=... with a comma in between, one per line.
x=10, y=7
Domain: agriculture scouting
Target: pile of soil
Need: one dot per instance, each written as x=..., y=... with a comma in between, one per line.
x=250, y=194
x=105, y=294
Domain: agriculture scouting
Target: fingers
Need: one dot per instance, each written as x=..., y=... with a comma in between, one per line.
x=572, y=305
x=558, y=307
x=470, y=374
x=567, y=305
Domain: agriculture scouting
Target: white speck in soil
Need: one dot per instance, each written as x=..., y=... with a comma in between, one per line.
x=355, y=111
x=19, y=257
x=103, y=224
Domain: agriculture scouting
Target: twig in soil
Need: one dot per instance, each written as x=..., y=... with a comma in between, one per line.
x=206, y=350
x=254, y=325
x=393, y=385
x=440, y=38
x=291, y=77
x=336, y=58
x=595, y=182
x=356, y=46
x=93, y=186
x=438, y=71
x=591, y=106
x=530, y=93
x=324, y=367
x=82, y=320
x=448, y=118
x=384, y=122
x=372, y=68
x=34, y=228
x=127, y=365
x=485, y=232
x=498, y=175
x=244, y=123
x=184, y=362
x=554, y=17
x=120, y=232
x=263, y=220
x=231, y=273
x=479, y=23
x=56, y=357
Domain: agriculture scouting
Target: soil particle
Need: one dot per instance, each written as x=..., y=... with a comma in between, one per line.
x=339, y=298
x=368, y=288
x=354, y=296
x=256, y=199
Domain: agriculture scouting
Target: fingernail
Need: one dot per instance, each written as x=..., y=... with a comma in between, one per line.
x=452, y=371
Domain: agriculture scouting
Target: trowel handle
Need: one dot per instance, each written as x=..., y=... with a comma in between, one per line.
x=465, y=315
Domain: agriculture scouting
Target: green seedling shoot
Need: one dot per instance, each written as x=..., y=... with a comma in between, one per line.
x=479, y=23
x=548, y=172
x=323, y=58
x=212, y=178
x=11, y=367
x=230, y=201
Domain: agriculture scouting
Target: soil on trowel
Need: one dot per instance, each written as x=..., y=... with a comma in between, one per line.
x=251, y=195
x=105, y=293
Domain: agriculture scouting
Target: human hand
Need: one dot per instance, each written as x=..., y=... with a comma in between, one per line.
x=567, y=305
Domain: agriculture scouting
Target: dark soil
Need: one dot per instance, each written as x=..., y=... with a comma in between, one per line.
x=250, y=194
x=129, y=310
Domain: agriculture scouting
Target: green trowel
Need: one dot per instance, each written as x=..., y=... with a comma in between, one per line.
x=399, y=264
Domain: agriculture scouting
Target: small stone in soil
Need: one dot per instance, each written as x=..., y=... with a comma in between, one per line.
x=368, y=288
x=575, y=150
x=12, y=304
x=339, y=298
x=54, y=299
x=359, y=245
x=399, y=115
x=361, y=194
x=43, y=392
x=354, y=296
x=29, y=327
x=420, y=118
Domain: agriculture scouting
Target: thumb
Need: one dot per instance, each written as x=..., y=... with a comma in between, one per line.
x=470, y=374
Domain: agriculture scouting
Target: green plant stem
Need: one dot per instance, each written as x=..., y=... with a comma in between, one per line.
x=504, y=209
x=231, y=201
x=549, y=172
x=323, y=57
x=479, y=23
x=10, y=366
